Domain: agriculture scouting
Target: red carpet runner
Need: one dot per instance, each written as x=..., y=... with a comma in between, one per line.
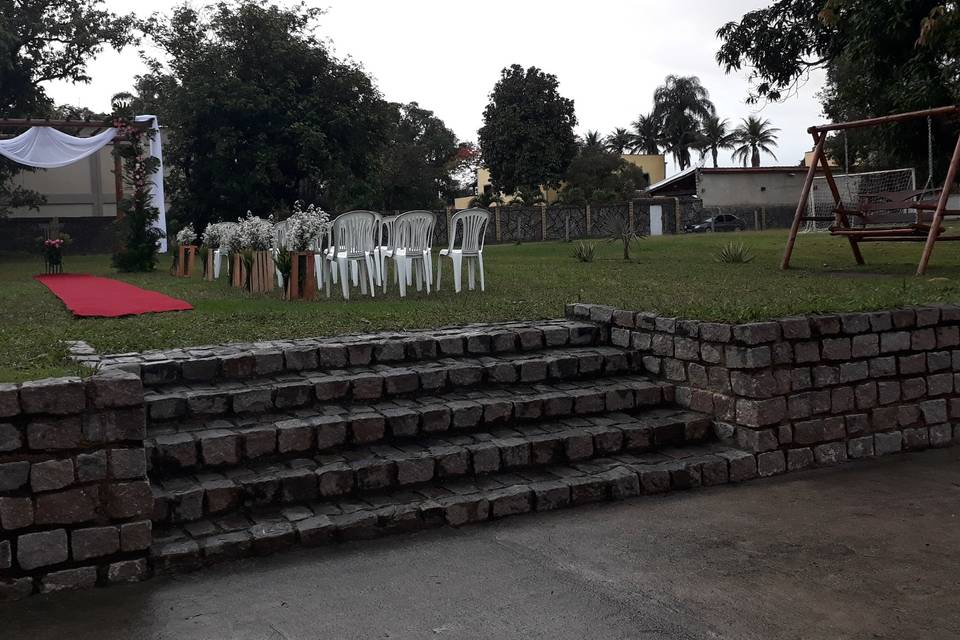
x=91, y=296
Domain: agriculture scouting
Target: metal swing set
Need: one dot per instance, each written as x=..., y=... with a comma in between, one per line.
x=924, y=202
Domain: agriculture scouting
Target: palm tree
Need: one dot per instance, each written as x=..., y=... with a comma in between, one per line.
x=619, y=141
x=714, y=135
x=681, y=104
x=592, y=141
x=754, y=135
x=646, y=135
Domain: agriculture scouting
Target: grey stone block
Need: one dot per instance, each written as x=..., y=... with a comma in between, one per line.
x=15, y=513
x=9, y=400
x=510, y=501
x=414, y=469
x=69, y=580
x=830, y=453
x=136, y=536
x=54, y=433
x=50, y=475
x=10, y=438
x=798, y=459
x=42, y=549
x=270, y=537
x=94, y=542
x=860, y=447
x=549, y=495
x=128, y=571
x=14, y=475
x=54, y=396
x=770, y=463
x=128, y=499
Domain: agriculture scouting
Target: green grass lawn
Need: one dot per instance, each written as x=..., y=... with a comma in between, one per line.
x=675, y=275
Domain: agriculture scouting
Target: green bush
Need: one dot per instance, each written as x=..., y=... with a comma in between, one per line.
x=584, y=251
x=734, y=253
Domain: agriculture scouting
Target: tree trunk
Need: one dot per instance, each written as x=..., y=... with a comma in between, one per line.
x=755, y=158
x=714, y=150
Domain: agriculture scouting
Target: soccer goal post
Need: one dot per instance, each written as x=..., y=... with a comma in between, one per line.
x=855, y=188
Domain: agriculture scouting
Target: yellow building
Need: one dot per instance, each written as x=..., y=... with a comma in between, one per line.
x=655, y=166
x=808, y=158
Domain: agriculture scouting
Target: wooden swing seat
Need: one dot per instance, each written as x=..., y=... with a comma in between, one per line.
x=916, y=231
x=923, y=201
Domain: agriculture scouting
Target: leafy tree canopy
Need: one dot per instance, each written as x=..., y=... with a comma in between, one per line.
x=598, y=176
x=881, y=56
x=416, y=163
x=262, y=114
x=680, y=105
x=527, y=137
x=40, y=41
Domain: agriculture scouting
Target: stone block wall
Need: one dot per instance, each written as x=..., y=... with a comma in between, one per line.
x=75, y=502
x=808, y=391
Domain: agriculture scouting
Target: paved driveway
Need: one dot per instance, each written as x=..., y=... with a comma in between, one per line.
x=867, y=550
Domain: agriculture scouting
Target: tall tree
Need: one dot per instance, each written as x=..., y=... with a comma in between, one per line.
x=416, y=161
x=527, y=138
x=752, y=136
x=619, y=141
x=714, y=136
x=647, y=135
x=681, y=104
x=263, y=113
x=881, y=56
x=41, y=41
x=592, y=140
x=598, y=176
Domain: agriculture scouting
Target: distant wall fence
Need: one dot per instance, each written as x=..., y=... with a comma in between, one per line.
x=509, y=224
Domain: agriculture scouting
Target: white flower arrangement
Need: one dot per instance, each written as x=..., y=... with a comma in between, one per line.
x=306, y=225
x=186, y=236
x=255, y=233
x=216, y=234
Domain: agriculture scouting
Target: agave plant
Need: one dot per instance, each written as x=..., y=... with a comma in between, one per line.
x=583, y=251
x=734, y=253
x=624, y=232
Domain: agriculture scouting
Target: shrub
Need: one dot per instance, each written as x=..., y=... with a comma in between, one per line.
x=624, y=232
x=583, y=251
x=734, y=253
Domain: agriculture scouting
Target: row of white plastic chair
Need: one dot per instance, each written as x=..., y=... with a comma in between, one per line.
x=359, y=245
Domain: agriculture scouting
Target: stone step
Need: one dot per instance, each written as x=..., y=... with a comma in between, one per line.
x=454, y=502
x=376, y=469
x=246, y=360
x=373, y=383
x=222, y=442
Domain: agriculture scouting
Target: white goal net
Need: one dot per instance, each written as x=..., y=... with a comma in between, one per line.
x=855, y=188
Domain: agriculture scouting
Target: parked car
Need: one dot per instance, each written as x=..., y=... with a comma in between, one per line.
x=722, y=222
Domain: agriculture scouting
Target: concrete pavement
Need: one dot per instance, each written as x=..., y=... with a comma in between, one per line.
x=865, y=550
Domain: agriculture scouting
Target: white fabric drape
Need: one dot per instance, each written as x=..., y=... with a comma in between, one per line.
x=47, y=148
x=157, y=198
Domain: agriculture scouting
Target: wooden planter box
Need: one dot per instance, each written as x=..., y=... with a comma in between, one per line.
x=261, y=276
x=208, y=265
x=186, y=254
x=302, y=265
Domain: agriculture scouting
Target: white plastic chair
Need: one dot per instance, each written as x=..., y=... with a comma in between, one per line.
x=218, y=255
x=412, y=251
x=474, y=223
x=351, y=244
x=385, y=244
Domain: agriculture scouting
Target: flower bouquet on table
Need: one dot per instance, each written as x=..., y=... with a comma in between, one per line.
x=305, y=228
x=186, y=252
x=253, y=264
x=52, y=251
x=216, y=243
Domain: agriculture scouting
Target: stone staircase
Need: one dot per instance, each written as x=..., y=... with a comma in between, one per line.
x=254, y=449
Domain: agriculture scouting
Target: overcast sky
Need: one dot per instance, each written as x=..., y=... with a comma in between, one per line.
x=609, y=56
